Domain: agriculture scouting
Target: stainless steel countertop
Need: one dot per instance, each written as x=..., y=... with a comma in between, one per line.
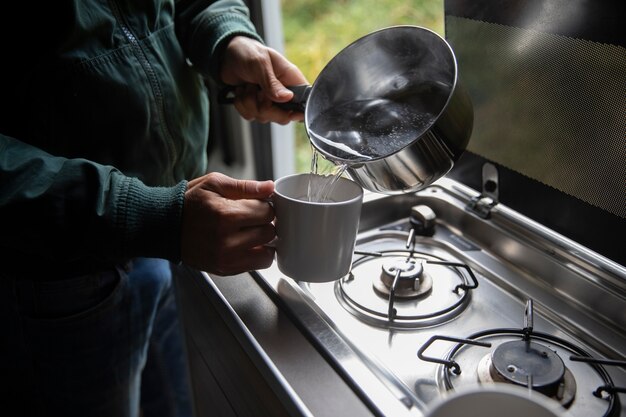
x=304, y=380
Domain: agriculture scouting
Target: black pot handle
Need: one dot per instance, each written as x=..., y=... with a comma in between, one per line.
x=297, y=103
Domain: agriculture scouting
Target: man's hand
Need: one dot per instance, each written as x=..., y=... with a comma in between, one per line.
x=226, y=224
x=249, y=64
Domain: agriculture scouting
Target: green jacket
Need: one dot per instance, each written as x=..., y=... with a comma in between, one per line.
x=103, y=115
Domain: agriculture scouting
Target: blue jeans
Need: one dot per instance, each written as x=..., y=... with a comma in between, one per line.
x=100, y=345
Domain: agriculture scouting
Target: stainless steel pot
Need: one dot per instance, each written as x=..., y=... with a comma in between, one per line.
x=390, y=107
x=394, y=97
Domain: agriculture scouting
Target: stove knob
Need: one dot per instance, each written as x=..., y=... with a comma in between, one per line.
x=423, y=220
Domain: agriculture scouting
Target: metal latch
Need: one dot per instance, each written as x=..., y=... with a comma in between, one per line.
x=488, y=198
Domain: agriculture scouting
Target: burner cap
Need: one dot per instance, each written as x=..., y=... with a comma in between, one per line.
x=409, y=268
x=520, y=361
x=412, y=280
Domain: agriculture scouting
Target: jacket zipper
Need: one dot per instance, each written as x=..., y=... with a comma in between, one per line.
x=152, y=78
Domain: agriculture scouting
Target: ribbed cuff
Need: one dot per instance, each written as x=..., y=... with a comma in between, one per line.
x=151, y=219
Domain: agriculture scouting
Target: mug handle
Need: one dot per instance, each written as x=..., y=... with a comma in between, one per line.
x=272, y=243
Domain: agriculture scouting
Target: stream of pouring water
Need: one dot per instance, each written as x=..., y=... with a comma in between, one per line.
x=320, y=192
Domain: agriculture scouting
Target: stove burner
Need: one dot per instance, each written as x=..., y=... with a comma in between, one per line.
x=562, y=391
x=395, y=288
x=537, y=361
x=527, y=363
x=412, y=280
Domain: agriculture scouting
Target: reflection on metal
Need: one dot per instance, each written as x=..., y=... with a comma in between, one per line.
x=512, y=258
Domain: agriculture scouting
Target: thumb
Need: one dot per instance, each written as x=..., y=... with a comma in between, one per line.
x=273, y=88
x=235, y=189
x=276, y=90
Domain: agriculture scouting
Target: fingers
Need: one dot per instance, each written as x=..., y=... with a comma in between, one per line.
x=244, y=250
x=271, y=86
x=276, y=73
x=246, y=101
x=227, y=249
x=254, y=105
x=225, y=225
x=249, y=237
x=287, y=73
x=230, y=261
x=235, y=203
x=262, y=74
x=247, y=213
x=236, y=189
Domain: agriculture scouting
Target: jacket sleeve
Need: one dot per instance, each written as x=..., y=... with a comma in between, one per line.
x=203, y=28
x=68, y=210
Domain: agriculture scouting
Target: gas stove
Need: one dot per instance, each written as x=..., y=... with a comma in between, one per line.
x=448, y=292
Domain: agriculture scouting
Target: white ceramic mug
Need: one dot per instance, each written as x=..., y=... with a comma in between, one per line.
x=315, y=240
x=495, y=400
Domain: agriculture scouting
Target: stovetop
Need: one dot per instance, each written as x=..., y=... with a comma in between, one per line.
x=442, y=298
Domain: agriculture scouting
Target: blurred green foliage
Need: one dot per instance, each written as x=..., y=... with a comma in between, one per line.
x=316, y=30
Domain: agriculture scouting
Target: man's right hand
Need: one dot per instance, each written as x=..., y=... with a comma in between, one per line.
x=249, y=65
x=226, y=224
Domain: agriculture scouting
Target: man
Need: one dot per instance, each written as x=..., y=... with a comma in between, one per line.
x=103, y=119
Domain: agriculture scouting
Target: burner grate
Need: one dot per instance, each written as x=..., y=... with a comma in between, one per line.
x=554, y=380
x=399, y=288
